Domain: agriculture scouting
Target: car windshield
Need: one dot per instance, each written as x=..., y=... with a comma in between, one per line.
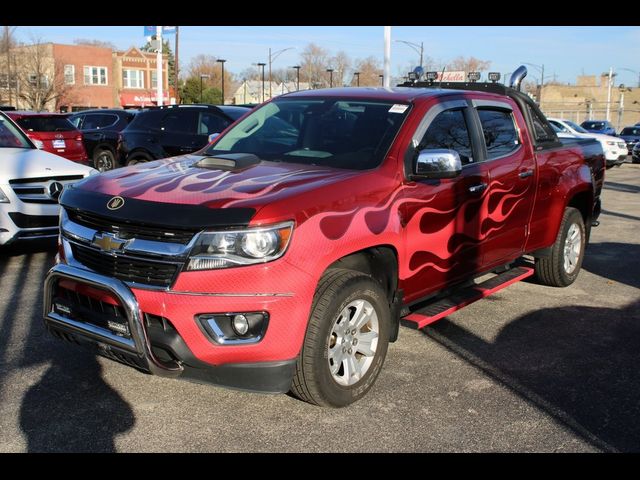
x=11, y=136
x=631, y=131
x=576, y=127
x=45, y=124
x=594, y=125
x=341, y=133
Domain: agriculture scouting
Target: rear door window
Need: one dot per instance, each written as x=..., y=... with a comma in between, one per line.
x=45, y=124
x=211, y=123
x=180, y=121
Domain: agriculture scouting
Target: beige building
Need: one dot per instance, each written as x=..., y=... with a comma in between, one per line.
x=587, y=99
x=250, y=91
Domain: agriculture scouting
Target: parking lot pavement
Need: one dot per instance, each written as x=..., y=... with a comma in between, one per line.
x=532, y=368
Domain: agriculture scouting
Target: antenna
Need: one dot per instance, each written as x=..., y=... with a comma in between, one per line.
x=442, y=76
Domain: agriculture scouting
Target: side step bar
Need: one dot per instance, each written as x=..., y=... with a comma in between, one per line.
x=463, y=297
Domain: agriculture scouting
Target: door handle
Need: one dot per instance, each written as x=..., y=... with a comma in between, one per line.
x=479, y=188
x=526, y=173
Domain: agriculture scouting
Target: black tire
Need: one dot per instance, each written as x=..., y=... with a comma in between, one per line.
x=313, y=381
x=104, y=160
x=551, y=270
x=635, y=160
x=136, y=158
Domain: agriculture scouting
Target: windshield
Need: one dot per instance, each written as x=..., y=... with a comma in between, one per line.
x=631, y=131
x=594, y=125
x=576, y=127
x=45, y=124
x=340, y=133
x=11, y=136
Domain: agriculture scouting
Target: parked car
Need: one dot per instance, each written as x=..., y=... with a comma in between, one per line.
x=31, y=180
x=52, y=132
x=615, y=149
x=100, y=129
x=284, y=255
x=635, y=153
x=631, y=135
x=599, y=126
x=172, y=130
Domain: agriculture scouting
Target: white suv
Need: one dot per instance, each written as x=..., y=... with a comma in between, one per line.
x=615, y=149
x=31, y=181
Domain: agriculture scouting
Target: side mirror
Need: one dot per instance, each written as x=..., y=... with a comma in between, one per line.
x=437, y=163
x=213, y=136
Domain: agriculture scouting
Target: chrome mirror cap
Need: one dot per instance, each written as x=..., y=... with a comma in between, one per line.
x=438, y=163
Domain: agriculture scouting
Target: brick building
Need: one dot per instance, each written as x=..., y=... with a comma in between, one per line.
x=70, y=78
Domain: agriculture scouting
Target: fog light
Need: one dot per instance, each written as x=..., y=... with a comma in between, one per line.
x=240, y=324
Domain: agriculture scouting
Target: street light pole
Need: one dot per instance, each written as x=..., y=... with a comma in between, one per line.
x=609, y=84
x=221, y=61
x=418, y=48
x=297, y=67
x=159, y=78
x=622, y=89
x=381, y=80
x=272, y=57
x=261, y=64
x=202, y=75
x=330, y=70
x=357, y=75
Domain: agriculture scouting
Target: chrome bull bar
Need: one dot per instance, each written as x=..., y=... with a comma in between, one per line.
x=138, y=345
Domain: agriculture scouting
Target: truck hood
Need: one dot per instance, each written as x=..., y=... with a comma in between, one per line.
x=178, y=181
x=33, y=163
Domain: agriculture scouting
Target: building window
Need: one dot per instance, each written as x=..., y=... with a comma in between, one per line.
x=69, y=74
x=133, y=78
x=154, y=79
x=95, y=75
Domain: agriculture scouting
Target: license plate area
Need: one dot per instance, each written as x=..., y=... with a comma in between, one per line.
x=59, y=144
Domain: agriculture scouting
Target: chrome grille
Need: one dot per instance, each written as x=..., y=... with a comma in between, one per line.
x=35, y=190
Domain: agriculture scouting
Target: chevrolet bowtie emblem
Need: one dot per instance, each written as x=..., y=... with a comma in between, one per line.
x=108, y=242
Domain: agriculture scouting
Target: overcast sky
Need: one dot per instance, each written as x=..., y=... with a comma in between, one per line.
x=565, y=51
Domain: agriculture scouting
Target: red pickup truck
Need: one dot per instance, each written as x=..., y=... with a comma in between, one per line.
x=285, y=254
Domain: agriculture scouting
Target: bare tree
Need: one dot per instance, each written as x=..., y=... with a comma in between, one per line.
x=370, y=71
x=8, y=82
x=468, y=64
x=341, y=64
x=314, y=61
x=207, y=65
x=40, y=77
x=94, y=43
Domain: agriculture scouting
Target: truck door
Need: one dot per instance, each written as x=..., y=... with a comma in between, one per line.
x=442, y=217
x=510, y=194
x=178, y=131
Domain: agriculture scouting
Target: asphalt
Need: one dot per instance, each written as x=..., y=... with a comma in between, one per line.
x=530, y=369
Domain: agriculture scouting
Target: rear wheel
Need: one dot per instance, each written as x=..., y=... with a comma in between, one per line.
x=346, y=341
x=138, y=157
x=561, y=268
x=104, y=160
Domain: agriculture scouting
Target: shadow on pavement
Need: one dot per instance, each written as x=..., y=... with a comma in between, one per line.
x=620, y=215
x=578, y=364
x=70, y=408
x=619, y=262
x=621, y=187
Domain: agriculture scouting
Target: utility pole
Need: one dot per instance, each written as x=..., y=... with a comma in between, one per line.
x=221, y=61
x=609, y=92
x=417, y=47
x=330, y=70
x=176, y=68
x=159, y=78
x=357, y=75
x=387, y=57
x=297, y=67
x=272, y=58
x=262, y=65
x=6, y=42
x=621, y=108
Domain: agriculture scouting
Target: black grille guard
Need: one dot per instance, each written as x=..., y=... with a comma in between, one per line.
x=138, y=345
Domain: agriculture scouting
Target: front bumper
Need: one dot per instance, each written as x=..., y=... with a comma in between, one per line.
x=183, y=350
x=20, y=221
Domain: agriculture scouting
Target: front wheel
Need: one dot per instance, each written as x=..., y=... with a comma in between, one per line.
x=561, y=268
x=104, y=160
x=346, y=341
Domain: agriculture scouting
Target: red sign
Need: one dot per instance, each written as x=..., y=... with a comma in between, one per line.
x=141, y=99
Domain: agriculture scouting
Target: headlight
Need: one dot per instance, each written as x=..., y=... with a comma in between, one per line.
x=611, y=143
x=232, y=248
x=3, y=197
